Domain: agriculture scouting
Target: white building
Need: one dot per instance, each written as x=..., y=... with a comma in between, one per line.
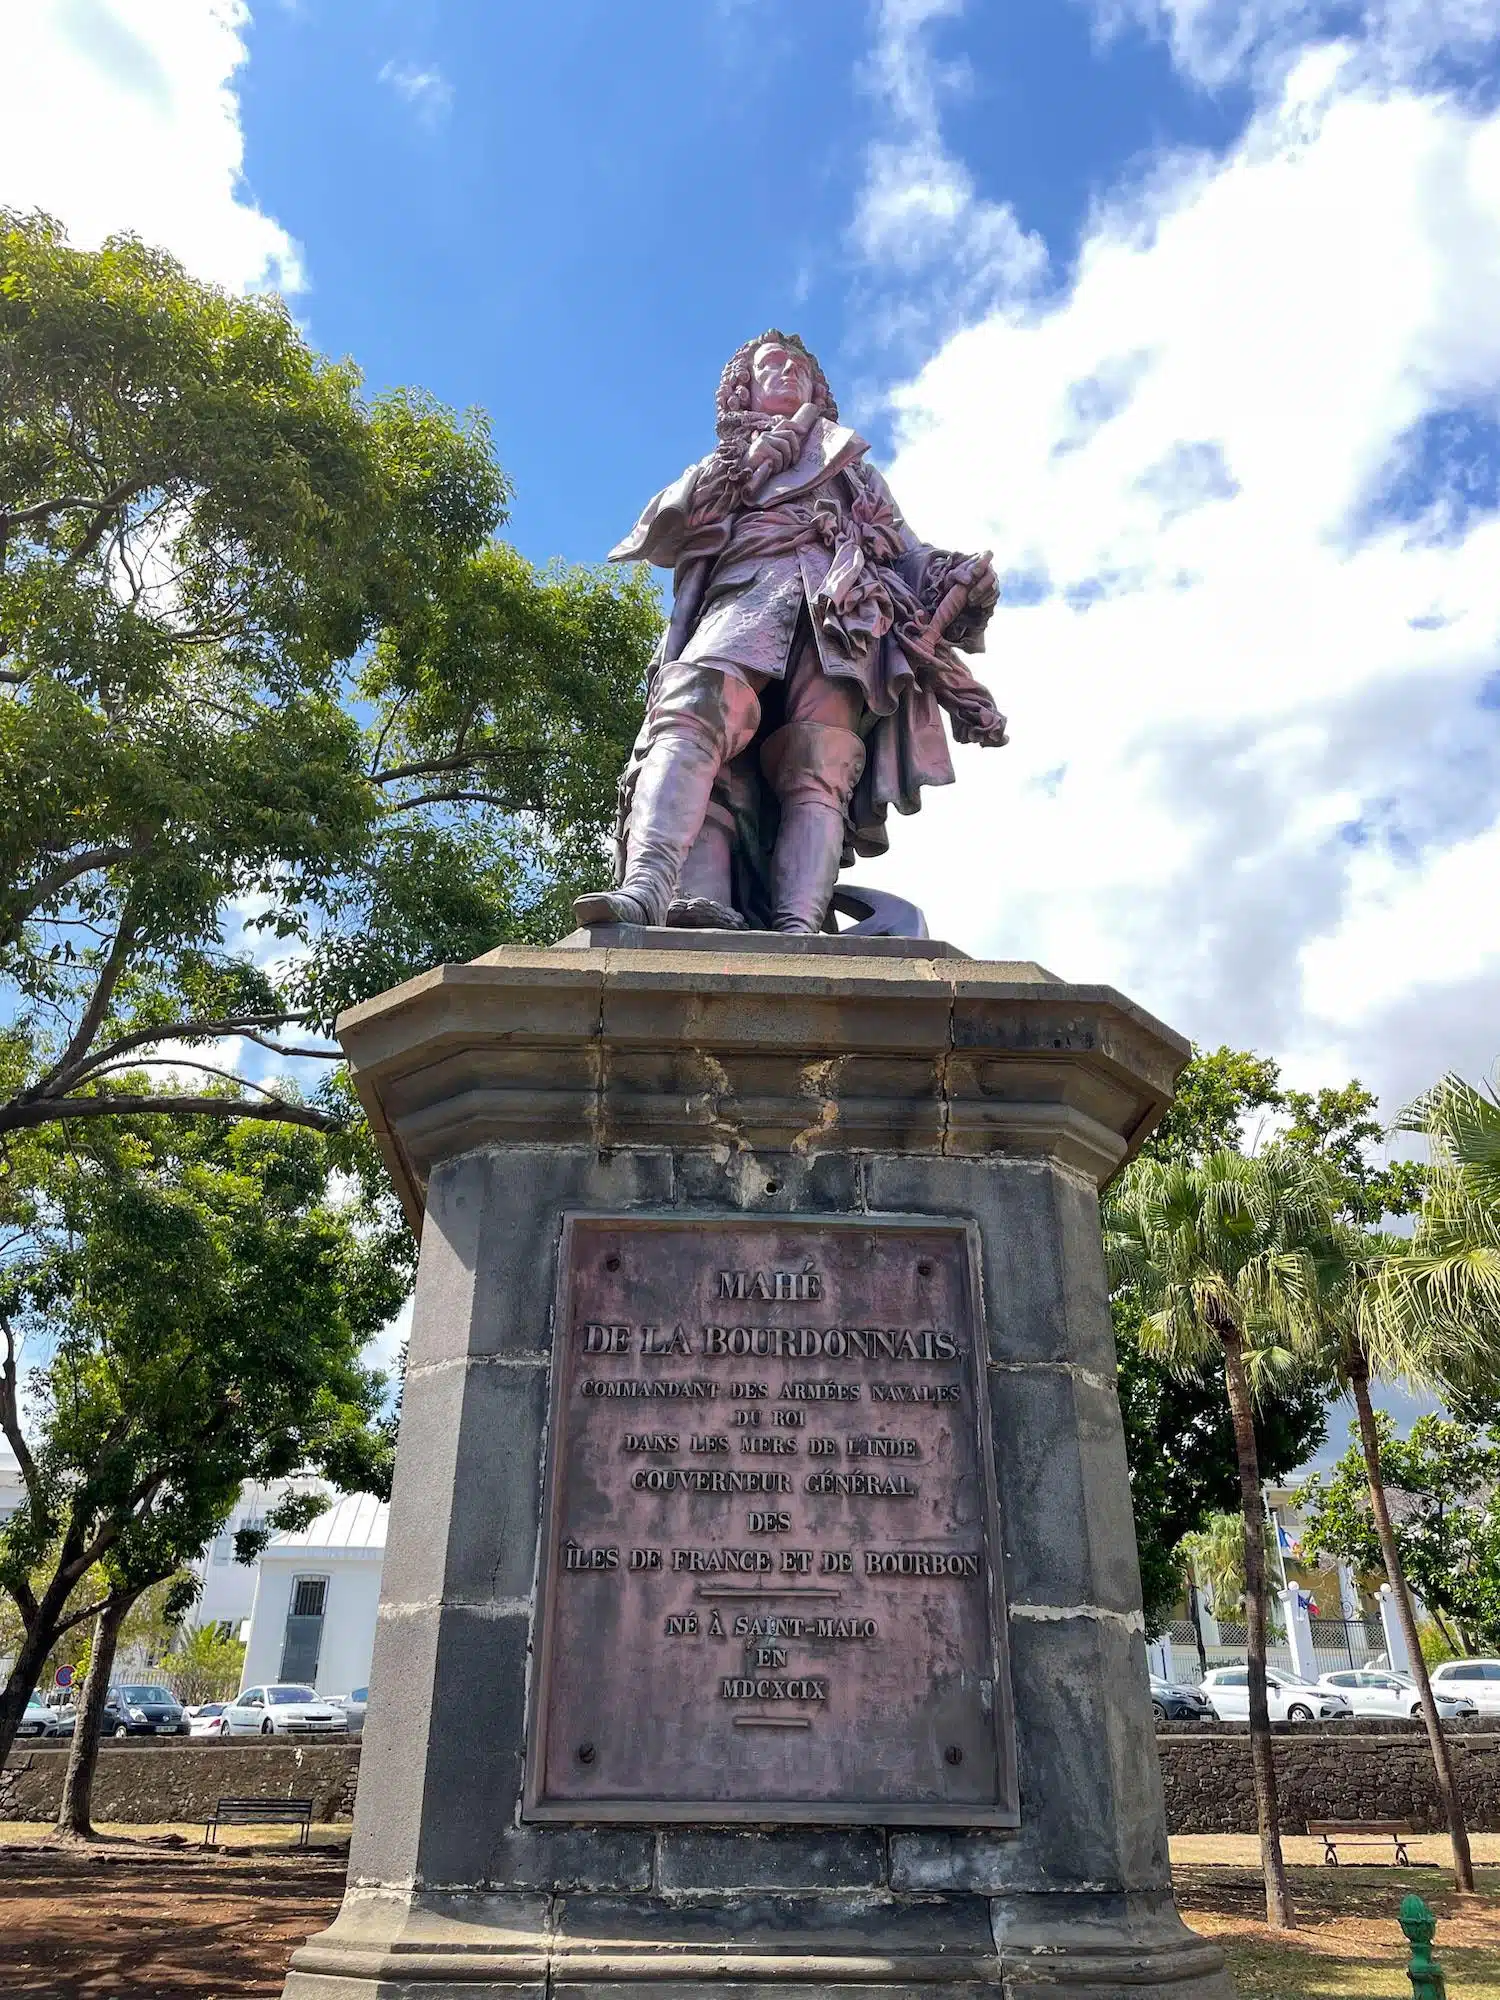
x=316, y=1593
x=229, y=1586
x=12, y=1486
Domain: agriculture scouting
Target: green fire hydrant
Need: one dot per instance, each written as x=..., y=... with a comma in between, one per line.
x=1424, y=1972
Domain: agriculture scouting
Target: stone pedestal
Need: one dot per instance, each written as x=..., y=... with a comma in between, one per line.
x=730, y=1079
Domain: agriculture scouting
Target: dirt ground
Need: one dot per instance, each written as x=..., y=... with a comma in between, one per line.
x=148, y=1916
x=130, y=1920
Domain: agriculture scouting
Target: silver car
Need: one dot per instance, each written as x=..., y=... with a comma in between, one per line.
x=1289, y=1698
x=283, y=1708
x=1379, y=1691
x=353, y=1706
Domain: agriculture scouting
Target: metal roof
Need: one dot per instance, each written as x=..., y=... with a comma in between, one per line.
x=353, y=1526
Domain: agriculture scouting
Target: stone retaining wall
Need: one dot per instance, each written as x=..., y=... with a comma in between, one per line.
x=1351, y=1771
x=182, y=1780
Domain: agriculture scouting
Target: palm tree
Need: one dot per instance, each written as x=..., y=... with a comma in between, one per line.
x=1369, y=1332
x=1216, y=1552
x=1222, y=1258
x=1447, y=1278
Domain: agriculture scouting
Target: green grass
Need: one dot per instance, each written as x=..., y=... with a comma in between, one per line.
x=1348, y=1945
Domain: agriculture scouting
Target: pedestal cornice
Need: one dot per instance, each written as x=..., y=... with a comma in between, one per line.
x=756, y=1052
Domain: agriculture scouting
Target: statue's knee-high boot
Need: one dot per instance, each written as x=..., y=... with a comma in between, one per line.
x=813, y=768
x=701, y=718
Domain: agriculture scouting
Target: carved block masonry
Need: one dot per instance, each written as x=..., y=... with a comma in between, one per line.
x=771, y=1578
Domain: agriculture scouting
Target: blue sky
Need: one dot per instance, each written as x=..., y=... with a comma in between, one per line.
x=570, y=215
x=1188, y=309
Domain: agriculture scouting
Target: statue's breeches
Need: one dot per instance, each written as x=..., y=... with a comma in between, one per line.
x=703, y=716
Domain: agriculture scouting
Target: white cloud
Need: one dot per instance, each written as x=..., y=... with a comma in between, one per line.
x=1251, y=780
x=121, y=115
x=1213, y=41
x=919, y=218
x=427, y=90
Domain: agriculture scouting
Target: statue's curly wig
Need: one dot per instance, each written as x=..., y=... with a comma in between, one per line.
x=732, y=399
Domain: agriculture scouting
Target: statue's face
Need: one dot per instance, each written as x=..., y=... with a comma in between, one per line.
x=781, y=380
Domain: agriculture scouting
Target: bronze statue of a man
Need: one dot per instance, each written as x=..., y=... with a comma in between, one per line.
x=795, y=694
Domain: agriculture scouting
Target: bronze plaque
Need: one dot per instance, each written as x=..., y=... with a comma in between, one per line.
x=771, y=1578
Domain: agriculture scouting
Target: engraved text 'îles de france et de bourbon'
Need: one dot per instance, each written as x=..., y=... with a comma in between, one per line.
x=768, y=1421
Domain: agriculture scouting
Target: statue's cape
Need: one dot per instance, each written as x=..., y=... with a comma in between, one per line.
x=658, y=536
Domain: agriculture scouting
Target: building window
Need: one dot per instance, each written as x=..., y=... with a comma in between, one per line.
x=304, y=1630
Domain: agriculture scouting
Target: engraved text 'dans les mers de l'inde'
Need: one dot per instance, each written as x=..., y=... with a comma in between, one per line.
x=773, y=1424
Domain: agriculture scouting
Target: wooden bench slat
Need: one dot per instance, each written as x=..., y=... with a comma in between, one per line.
x=1361, y=1833
x=259, y=1812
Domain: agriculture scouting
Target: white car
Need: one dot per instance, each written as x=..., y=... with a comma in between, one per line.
x=1289, y=1698
x=283, y=1709
x=1379, y=1691
x=1479, y=1680
x=209, y=1718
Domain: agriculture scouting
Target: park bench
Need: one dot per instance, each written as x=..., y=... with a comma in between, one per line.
x=1361, y=1833
x=259, y=1812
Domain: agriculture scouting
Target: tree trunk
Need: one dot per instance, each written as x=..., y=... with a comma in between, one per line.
x=1449, y=1641
x=1458, y=1832
x=23, y=1677
x=83, y=1752
x=1197, y=1618
x=1279, y=1914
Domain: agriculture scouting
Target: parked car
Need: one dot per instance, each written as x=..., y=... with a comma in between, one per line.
x=1171, y=1703
x=353, y=1707
x=1289, y=1698
x=208, y=1718
x=1479, y=1680
x=142, y=1709
x=283, y=1709
x=1381, y=1692
x=37, y=1719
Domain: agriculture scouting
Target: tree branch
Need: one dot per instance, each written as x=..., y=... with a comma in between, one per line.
x=76, y=864
x=455, y=798
x=78, y=1617
x=282, y=1049
x=10, y=1415
x=432, y=767
x=385, y=730
x=67, y=1065
x=168, y=1031
x=68, y=502
x=26, y=1115
x=180, y=1062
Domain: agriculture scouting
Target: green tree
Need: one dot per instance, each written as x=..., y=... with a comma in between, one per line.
x=1179, y=1439
x=204, y=1665
x=1179, y=1434
x=200, y=1293
x=1218, y=1092
x=1356, y=1344
x=1445, y=1282
x=1221, y=1258
x=1360, y=1343
x=266, y=682
x=1339, y=1127
x=1443, y=1483
x=1217, y=1554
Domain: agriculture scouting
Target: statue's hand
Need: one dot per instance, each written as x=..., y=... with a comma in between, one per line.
x=970, y=705
x=984, y=725
x=774, y=450
x=983, y=584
